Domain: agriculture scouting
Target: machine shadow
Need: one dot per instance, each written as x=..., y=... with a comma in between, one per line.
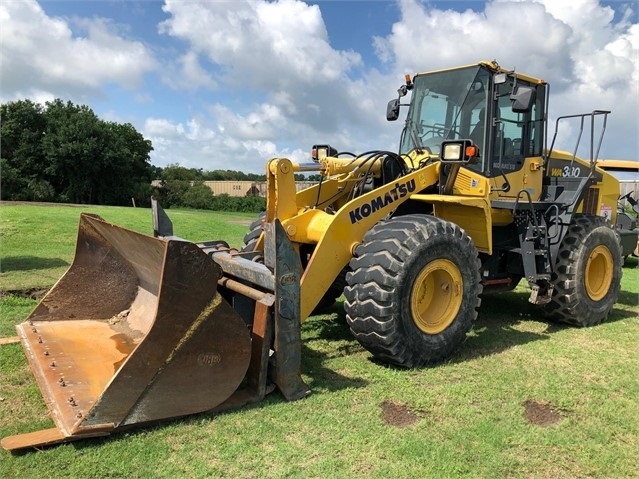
x=324, y=339
x=495, y=331
x=28, y=263
x=496, y=328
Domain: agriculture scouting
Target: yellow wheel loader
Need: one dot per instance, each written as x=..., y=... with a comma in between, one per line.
x=145, y=328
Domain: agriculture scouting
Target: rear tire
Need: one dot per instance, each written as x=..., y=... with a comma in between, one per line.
x=414, y=289
x=334, y=291
x=587, y=274
x=255, y=230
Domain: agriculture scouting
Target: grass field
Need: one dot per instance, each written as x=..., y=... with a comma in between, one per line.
x=522, y=397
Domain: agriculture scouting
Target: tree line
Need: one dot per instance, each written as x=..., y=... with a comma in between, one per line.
x=62, y=152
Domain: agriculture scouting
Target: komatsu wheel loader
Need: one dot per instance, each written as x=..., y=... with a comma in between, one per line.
x=144, y=328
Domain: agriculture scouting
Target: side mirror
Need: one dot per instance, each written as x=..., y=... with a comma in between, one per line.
x=523, y=98
x=392, y=110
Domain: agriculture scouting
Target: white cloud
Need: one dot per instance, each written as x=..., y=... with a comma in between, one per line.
x=42, y=54
x=201, y=144
x=590, y=61
x=188, y=74
x=315, y=93
x=428, y=38
x=278, y=53
x=260, y=44
x=160, y=127
x=262, y=123
x=257, y=79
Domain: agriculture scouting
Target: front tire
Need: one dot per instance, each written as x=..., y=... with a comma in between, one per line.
x=587, y=274
x=413, y=292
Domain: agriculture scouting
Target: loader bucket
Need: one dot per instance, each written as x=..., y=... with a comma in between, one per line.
x=134, y=332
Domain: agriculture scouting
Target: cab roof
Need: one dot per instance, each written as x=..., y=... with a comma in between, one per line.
x=493, y=66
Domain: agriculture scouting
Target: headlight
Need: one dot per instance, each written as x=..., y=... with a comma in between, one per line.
x=452, y=152
x=459, y=151
x=319, y=152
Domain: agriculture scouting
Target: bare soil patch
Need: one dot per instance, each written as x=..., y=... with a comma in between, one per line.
x=399, y=415
x=540, y=413
x=29, y=293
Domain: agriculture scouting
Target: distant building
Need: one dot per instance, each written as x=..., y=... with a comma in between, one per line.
x=237, y=188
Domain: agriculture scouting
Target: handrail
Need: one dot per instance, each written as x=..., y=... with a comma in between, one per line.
x=582, y=116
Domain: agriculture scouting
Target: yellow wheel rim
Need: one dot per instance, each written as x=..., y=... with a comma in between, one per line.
x=598, y=274
x=436, y=296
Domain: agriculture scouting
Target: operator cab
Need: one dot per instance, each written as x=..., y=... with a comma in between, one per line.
x=503, y=113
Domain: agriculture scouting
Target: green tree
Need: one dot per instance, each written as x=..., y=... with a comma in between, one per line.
x=64, y=152
x=156, y=172
x=171, y=192
x=198, y=196
x=127, y=161
x=22, y=128
x=181, y=173
x=73, y=145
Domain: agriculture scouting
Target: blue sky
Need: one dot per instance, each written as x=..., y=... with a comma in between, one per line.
x=230, y=84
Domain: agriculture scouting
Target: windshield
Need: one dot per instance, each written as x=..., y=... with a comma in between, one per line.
x=446, y=105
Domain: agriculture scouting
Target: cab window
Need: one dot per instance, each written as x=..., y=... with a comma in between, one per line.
x=516, y=135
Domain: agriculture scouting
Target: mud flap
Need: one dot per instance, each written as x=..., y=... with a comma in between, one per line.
x=134, y=332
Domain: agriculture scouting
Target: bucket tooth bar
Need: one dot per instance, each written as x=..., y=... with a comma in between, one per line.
x=272, y=289
x=140, y=329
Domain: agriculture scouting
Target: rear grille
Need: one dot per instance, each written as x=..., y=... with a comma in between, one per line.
x=591, y=205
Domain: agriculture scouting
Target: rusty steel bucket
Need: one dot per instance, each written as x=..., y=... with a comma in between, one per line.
x=134, y=332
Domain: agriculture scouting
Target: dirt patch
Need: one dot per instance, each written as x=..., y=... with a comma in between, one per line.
x=541, y=414
x=399, y=415
x=29, y=293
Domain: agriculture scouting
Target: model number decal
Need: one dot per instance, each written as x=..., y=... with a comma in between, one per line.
x=566, y=172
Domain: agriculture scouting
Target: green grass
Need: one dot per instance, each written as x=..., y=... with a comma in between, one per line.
x=463, y=418
x=38, y=242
